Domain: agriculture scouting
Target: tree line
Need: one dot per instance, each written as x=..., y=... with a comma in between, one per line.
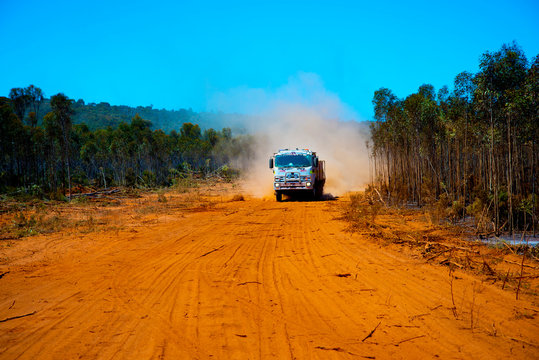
x=47, y=154
x=101, y=115
x=471, y=151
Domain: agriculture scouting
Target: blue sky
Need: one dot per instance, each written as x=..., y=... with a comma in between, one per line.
x=185, y=54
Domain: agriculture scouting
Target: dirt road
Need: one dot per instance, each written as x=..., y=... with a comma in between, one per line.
x=248, y=280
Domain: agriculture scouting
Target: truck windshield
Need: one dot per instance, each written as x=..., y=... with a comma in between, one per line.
x=292, y=161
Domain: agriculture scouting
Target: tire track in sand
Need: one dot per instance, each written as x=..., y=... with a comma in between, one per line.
x=254, y=279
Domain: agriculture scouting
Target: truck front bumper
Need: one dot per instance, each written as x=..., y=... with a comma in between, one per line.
x=293, y=186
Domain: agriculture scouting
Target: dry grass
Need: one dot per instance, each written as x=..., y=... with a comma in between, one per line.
x=361, y=212
x=25, y=224
x=447, y=245
x=90, y=214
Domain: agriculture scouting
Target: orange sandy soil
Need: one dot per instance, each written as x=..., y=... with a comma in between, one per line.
x=207, y=277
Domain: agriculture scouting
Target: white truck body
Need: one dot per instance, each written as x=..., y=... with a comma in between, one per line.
x=297, y=171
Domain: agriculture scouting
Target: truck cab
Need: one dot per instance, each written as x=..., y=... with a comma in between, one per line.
x=297, y=171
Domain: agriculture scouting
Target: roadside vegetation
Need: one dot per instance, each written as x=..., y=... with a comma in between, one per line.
x=61, y=176
x=452, y=167
x=114, y=209
x=469, y=152
x=512, y=267
x=45, y=157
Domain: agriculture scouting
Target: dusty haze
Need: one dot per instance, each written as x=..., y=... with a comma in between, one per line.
x=301, y=114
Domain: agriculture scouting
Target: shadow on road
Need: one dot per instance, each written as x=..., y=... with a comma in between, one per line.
x=308, y=197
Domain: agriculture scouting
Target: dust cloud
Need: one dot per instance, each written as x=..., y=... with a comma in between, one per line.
x=301, y=114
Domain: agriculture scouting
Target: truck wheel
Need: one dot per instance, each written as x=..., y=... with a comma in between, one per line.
x=279, y=197
x=314, y=194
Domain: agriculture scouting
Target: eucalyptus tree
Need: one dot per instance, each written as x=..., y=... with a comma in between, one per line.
x=35, y=98
x=476, y=144
x=384, y=101
x=19, y=101
x=11, y=129
x=501, y=74
x=60, y=117
x=464, y=88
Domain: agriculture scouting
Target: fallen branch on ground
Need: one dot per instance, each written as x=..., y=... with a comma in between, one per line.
x=249, y=282
x=405, y=340
x=418, y=316
x=450, y=247
x=17, y=317
x=449, y=262
x=380, y=196
x=522, y=341
x=209, y=252
x=438, y=254
x=96, y=193
x=333, y=349
x=525, y=265
x=509, y=247
x=527, y=277
x=372, y=332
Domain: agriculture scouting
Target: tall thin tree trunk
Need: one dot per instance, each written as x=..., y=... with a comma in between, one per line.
x=509, y=175
x=534, y=220
x=493, y=171
x=465, y=157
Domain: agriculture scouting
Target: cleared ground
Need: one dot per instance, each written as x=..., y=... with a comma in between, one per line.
x=252, y=279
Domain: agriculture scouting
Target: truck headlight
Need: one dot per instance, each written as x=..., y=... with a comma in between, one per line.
x=276, y=185
x=308, y=183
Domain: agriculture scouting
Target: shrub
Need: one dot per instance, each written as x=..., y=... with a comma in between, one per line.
x=238, y=197
x=161, y=197
x=148, y=178
x=457, y=210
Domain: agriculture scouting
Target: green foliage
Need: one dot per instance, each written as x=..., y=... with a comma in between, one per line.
x=36, y=191
x=57, y=195
x=457, y=210
x=20, y=101
x=148, y=178
x=227, y=173
x=104, y=115
x=80, y=177
x=469, y=151
x=55, y=150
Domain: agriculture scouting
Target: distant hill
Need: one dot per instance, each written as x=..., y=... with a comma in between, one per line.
x=102, y=115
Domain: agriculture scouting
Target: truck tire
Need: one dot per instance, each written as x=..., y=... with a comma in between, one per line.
x=278, y=196
x=317, y=192
x=320, y=192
